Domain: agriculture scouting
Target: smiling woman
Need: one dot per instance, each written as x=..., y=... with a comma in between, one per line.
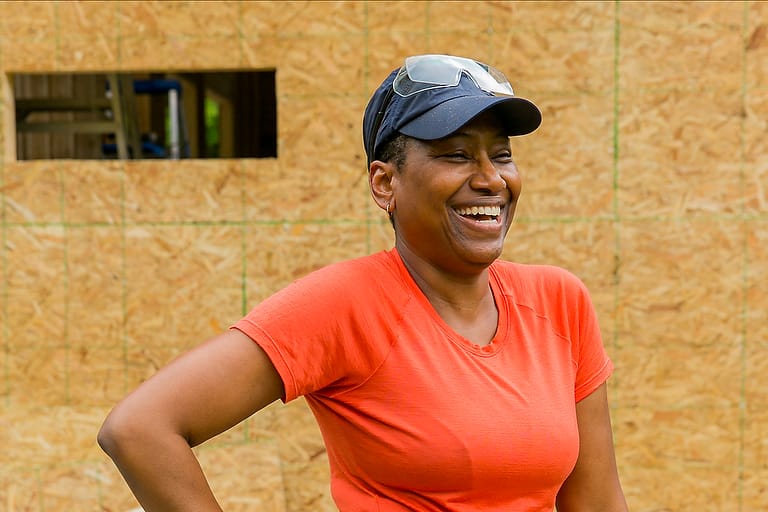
x=441, y=377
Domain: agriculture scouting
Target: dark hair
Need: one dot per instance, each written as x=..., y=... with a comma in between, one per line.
x=393, y=150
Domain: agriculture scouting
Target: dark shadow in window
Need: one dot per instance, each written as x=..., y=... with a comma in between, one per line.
x=230, y=114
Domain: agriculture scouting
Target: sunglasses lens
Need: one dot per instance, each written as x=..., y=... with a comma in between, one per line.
x=424, y=72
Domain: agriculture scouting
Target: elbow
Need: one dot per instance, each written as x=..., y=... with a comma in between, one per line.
x=128, y=431
x=118, y=432
x=109, y=435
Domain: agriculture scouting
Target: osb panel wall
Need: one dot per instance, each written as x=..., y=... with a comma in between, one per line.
x=647, y=179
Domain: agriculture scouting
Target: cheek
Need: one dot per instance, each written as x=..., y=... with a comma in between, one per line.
x=514, y=184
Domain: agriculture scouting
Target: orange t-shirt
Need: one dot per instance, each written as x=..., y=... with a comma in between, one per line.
x=416, y=417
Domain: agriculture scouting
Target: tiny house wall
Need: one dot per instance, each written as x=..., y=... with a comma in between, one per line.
x=648, y=178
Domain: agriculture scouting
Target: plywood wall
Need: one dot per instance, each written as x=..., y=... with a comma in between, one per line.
x=648, y=178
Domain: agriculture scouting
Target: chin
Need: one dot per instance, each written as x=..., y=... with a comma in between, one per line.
x=484, y=256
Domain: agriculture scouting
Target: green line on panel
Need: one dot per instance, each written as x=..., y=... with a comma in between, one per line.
x=243, y=201
x=366, y=83
x=243, y=245
x=118, y=36
x=616, y=49
x=713, y=217
x=57, y=35
x=40, y=489
x=616, y=215
x=123, y=279
x=188, y=223
x=616, y=212
x=65, y=284
x=123, y=237
x=5, y=335
x=241, y=34
x=243, y=262
x=5, y=332
x=745, y=258
x=491, y=43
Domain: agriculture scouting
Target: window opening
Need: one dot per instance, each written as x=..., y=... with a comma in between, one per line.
x=230, y=114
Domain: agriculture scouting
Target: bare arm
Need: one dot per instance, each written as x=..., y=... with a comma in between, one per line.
x=204, y=392
x=593, y=485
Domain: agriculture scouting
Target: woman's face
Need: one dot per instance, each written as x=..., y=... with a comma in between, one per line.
x=455, y=197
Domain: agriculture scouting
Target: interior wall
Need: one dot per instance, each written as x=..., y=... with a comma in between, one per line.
x=647, y=179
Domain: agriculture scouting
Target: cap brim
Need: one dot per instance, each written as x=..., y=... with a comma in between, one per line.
x=518, y=115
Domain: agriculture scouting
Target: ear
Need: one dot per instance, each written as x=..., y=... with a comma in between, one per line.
x=380, y=180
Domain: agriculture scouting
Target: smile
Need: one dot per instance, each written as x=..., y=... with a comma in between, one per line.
x=488, y=214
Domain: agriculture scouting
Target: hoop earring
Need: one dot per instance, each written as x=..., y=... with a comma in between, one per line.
x=388, y=212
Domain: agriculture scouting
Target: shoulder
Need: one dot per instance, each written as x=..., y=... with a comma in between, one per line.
x=551, y=291
x=323, y=331
x=338, y=298
x=354, y=274
x=554, y=293
x=346, y=285
x=525, y=279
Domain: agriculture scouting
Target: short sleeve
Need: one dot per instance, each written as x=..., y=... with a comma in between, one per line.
x=593, y=366
x=312, y=331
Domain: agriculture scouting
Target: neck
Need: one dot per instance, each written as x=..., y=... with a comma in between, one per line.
x=463, y=293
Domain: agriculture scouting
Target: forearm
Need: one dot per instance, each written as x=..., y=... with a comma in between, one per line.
x=161, y=471
x=149, y=433
x=593, y=485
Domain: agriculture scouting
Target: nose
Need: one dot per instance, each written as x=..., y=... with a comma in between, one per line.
x=488, y=176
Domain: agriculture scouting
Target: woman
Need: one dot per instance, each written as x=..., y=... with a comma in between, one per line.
x=441, y=378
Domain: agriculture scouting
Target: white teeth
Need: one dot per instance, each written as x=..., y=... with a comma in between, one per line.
x=492, y=211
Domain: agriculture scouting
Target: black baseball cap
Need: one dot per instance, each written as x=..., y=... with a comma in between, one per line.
x=428, y=102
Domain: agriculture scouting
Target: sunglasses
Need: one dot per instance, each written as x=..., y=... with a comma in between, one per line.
x=428, y=72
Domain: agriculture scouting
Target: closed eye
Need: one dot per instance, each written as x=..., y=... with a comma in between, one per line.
x=456, y=156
